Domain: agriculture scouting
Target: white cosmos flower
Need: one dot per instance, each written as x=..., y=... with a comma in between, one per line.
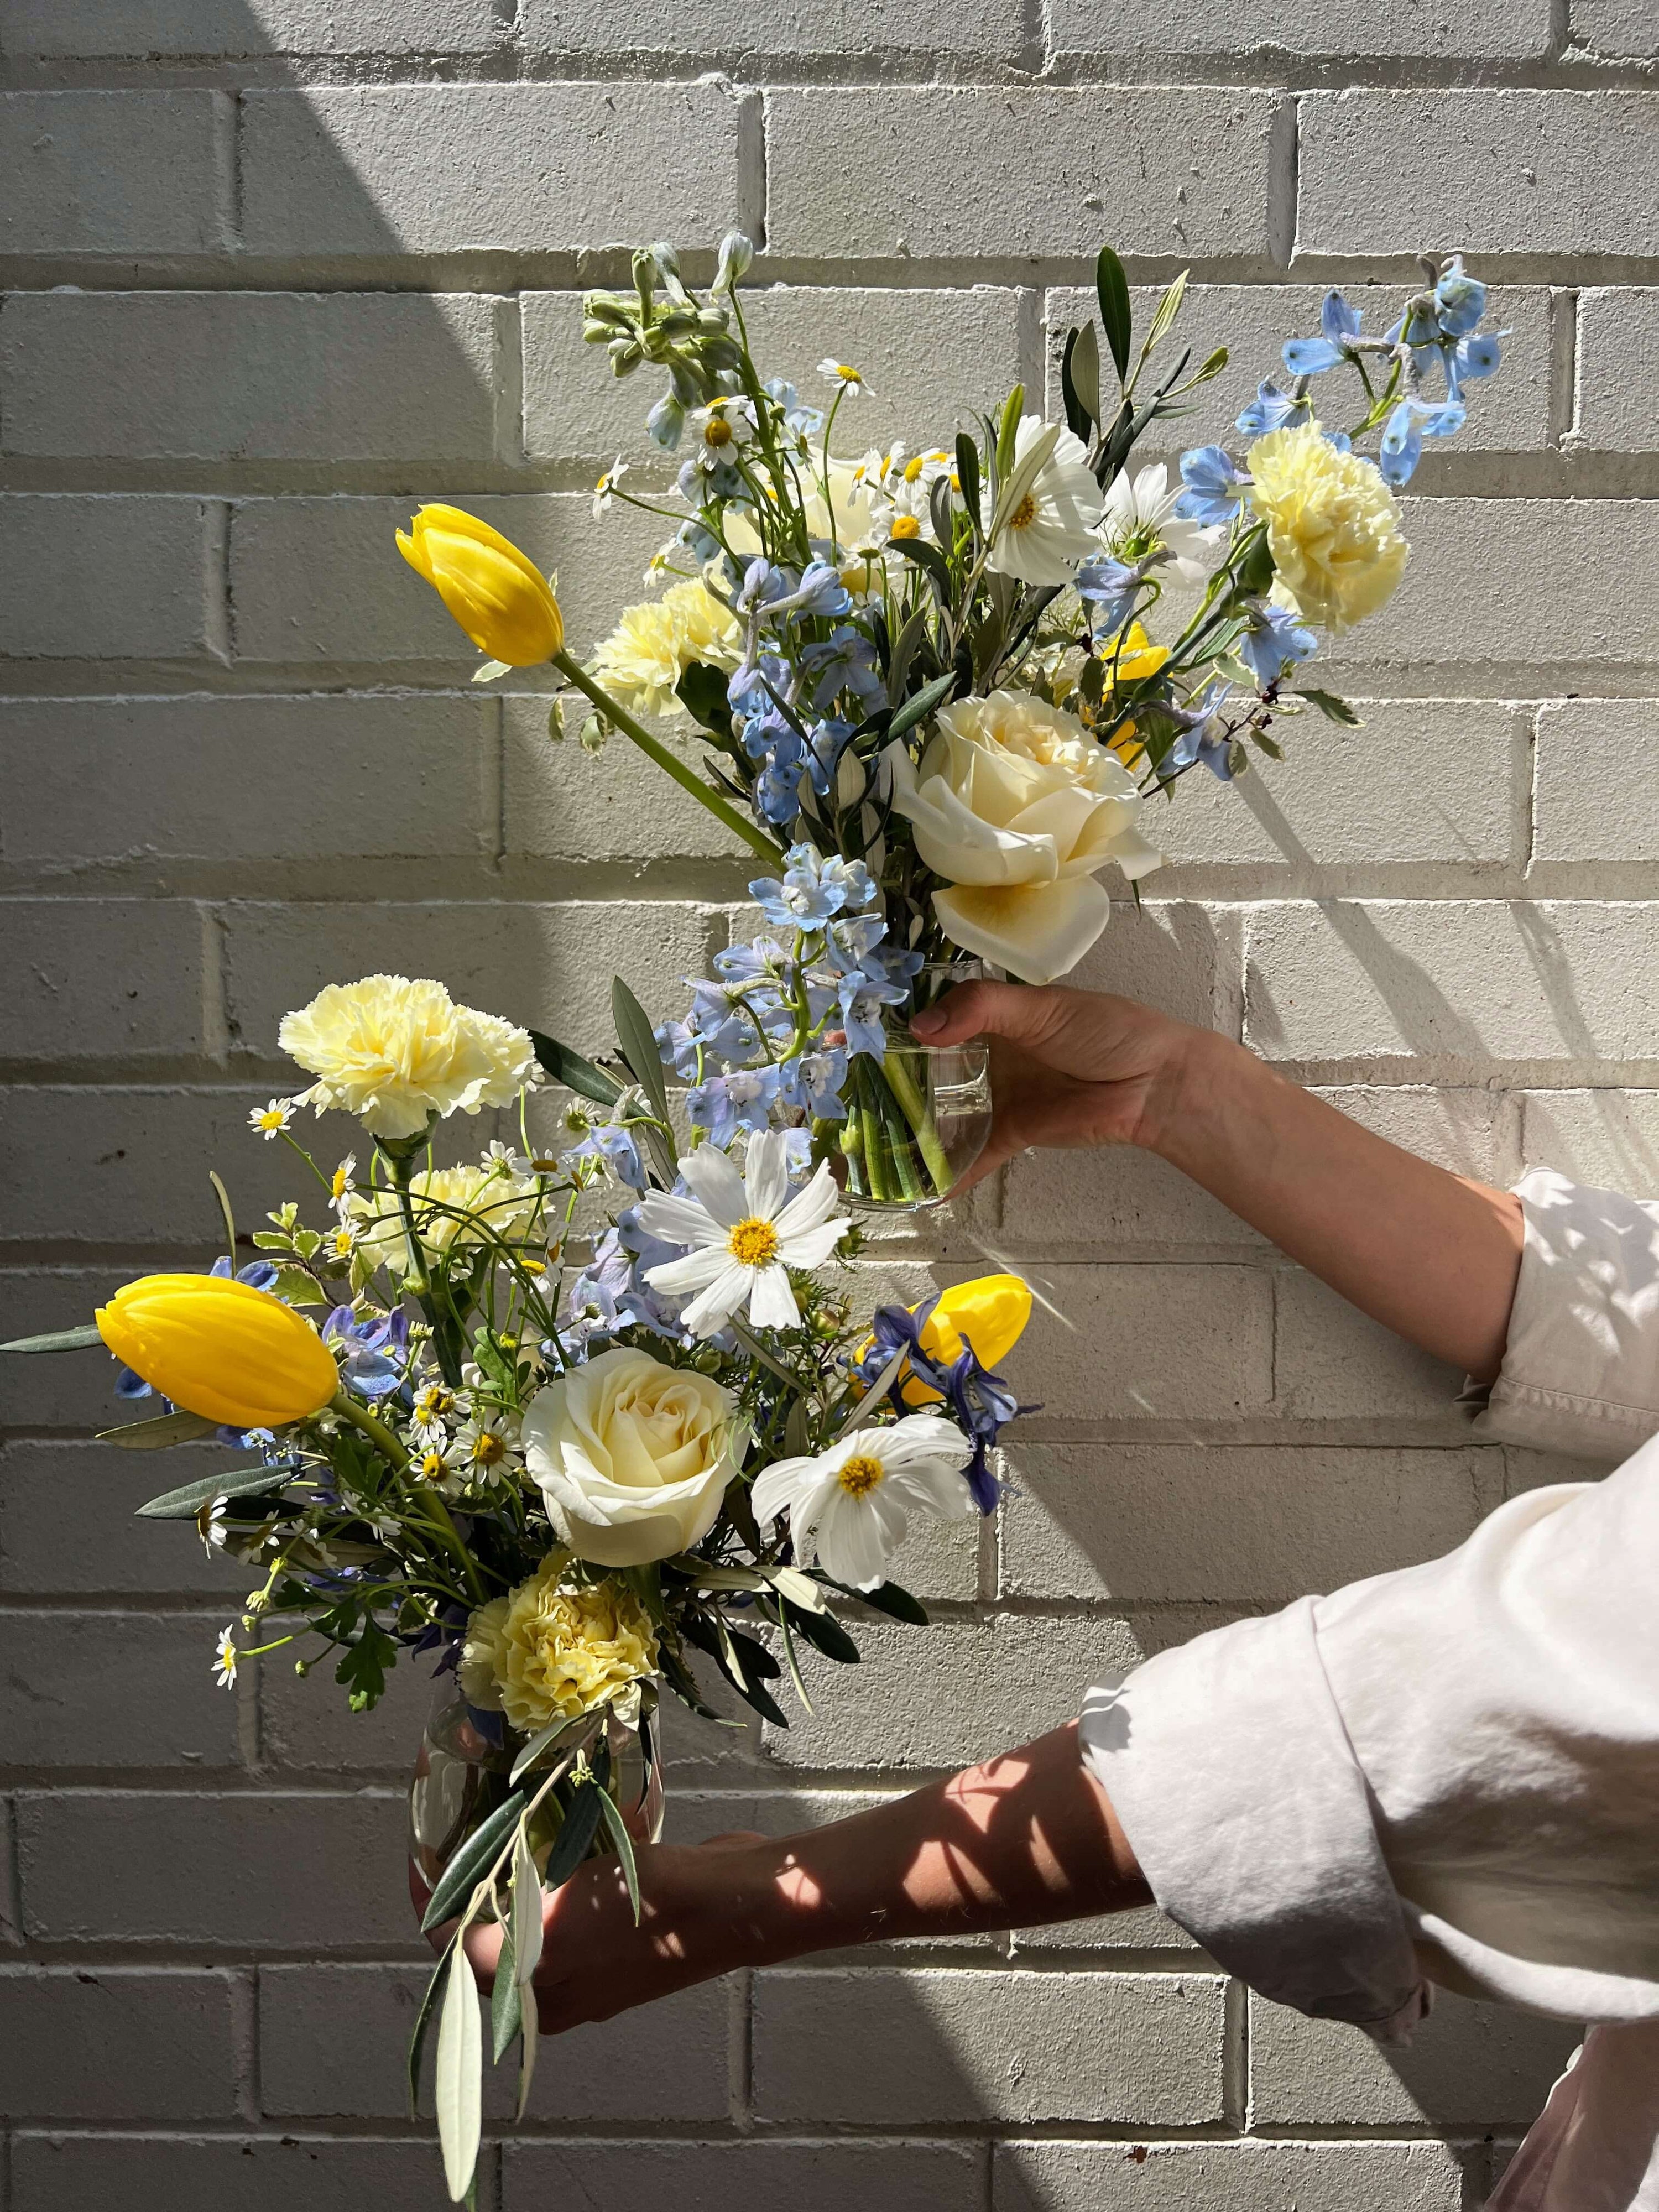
x=1048, y=508
x=1141, y=519
x=744, y=1232
x=849, y=1506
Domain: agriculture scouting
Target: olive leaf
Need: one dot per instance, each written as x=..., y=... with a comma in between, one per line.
x=460, y=2069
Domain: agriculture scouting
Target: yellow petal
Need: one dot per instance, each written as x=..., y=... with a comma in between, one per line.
x=221, y=1349
x=990, y=1313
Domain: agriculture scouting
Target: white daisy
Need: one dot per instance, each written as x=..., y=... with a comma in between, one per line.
x=210, y=1525
x=745, y=1232
x=224, y=1659
x=1141, y=519
x=343, y=1182
x=489, y=1441
x=849, y=1506
x=843, y=373
x=269, y=1122
x=721, y=430
x=604, y=492
x=1046, y=510
x=436, y=1403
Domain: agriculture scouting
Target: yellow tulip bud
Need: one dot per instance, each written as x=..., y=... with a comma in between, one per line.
x=990, y=1312
x=221, y=1349
x=497, y=594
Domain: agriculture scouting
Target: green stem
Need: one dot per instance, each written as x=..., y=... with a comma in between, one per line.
x=375, y=1429
x=381, y=1436
x=653, y=749
x=918, y=1112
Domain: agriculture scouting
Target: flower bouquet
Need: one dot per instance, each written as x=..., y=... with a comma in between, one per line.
x=566, y=1470
x=935, y=704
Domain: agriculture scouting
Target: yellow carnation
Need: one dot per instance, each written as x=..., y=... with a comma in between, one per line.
x=654, y=643
x=453, y=1208
x=397, y=1052
x=544, y=1652
x=1333, y=527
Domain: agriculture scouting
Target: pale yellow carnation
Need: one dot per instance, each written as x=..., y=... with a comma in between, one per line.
x=545, y=1653
x=396, y=1053
x=1333, y=526
x=656, y=642
x=454, y=1208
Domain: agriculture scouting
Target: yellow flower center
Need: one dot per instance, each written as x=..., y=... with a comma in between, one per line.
x=753, y=1243
x=274, y=1117
x=1024, y=515
x=431, y=1468
x=489, y=1447
x=860, y=1475
x=913, y=469
x=847, y=375
x=340, y=1185
x=717, y=431
x=343, y=1239
x=906, y=525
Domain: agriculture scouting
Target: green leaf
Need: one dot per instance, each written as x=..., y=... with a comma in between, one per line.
x=460, y=2069
x=504, y=2005
x=930, y=560
x=1254, y=572
x=364, y=1665
x=825, y=1634
x=1080, y=376
x=637, y=1042
x=529, y=2031
x=223, y=1197
x=1112, y=289
x=611, y=1813
x=904, y=651
x=526, y=1911
x=571, y=1846
x=156, y=1435
x=1211, y=366
x=968, y=478
x=461, y=1876
x=577, y=1073
x=185, y=1504
x=1012, y=408
x=1168, y=308
x=702, y=692
x=898, y=1604
x=922, y=704
x=1334, y=708
x=543, y=1740
x=422, y=2022
x=58, y=1339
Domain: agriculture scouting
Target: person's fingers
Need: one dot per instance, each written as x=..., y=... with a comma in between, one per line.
x=484, y=1948
x=1019, y=1012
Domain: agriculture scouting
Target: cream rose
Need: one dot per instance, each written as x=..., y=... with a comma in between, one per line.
x=1333, y=527
x=633, y=1457
x=1016, y=805
x=544, y=1651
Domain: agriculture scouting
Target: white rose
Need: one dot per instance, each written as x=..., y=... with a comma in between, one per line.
x=633, y=1457
x=1016, y=805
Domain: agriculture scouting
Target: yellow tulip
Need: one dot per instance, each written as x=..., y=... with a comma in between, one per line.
x=497, y=594
x=221, y=1349
x=990, y=1312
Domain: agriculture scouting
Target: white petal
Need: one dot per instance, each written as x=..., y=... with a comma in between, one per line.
x=694, y=1273
x=772, y=1303
x=715, y=1181
x=918, y=1437
x=679, y=1220
x=795, y=1483
x=1037, y=933
x=811, y=1206
x=849, y=1540
x=711, y=1312
x=930, y=1483
x=766, y=1174
x=810, y=1248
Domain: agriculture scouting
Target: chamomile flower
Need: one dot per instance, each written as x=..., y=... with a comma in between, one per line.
x=435, y=1403
x=489, y=1443
x=210, y=1526
x=225, y=1657
x=849, y=1507
x=844, y=375
x=722, y=430
x=604, y=492
x=910, y=482
x=438, y=1460
x=340, y=1245
x=343, y=1182
x=269, y=1122
x=745, y=1233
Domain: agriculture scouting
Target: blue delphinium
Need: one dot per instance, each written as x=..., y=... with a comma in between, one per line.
x=1339, y=325
x=1275, y=639
x=1413, y=420
x=1274, y=409
x=1215, y=488
x=1203, y=738
x=374, y=1349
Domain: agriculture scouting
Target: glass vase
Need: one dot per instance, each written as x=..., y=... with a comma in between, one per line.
x=917, y=1122
x=462, y=1771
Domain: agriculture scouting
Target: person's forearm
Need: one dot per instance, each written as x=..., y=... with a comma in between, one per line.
x=1435, y=1256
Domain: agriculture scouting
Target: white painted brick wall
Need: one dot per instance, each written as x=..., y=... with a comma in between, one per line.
x=278, y=268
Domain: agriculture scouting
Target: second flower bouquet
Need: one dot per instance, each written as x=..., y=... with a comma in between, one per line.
x=565, y=1472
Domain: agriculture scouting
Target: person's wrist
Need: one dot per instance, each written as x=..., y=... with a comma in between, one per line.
x=1196, y=1069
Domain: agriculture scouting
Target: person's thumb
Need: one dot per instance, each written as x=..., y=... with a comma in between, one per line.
x=1020, y=1012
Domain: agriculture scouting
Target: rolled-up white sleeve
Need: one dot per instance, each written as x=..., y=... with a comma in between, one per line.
x=1450, y=1772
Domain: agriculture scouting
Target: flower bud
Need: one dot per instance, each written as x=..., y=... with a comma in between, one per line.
x=496, y=593
x=990, y=1313
x=220, y=1348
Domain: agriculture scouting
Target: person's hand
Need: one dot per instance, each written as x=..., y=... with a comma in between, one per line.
x=1067, y=1068
x=696, y=1902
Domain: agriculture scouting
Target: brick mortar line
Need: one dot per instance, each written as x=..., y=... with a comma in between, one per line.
x=804, y=2131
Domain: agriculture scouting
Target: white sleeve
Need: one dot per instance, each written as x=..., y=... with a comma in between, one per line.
x=1581, y=1368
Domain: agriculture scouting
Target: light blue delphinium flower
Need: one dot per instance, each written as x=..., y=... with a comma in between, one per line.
x=1413, y=420
x=666, y=421
x=1204, y=736
x=829, y=740
x=744, y=1098
x=844, y=661
x=1109, y=587
x=1215, y=490
x=1340, y=325
x=1460, y=300
x=1274, y=409
x=812, y=1083
x=1274, y=642
x=810, y=892
x=806, y=422
x=374, y=1349
x=611, y=1142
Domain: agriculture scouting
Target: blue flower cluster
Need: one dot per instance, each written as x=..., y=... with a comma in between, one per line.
x=982, y=1402
x=783, y=693
x=776, y=1024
